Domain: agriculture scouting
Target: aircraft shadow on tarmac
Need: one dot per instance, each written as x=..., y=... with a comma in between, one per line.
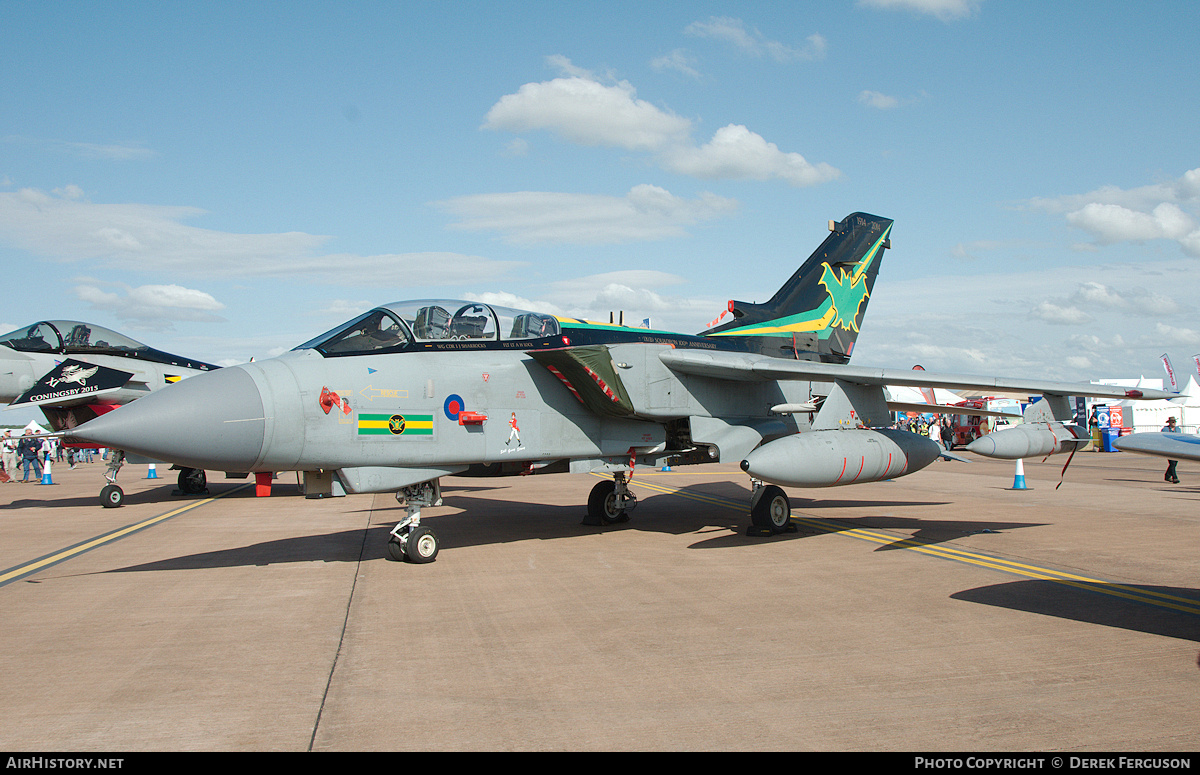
x=924, y=532
x=167, y=493
x=49, y=503
x=1096, y=603
x=706, y=509
x=343, y=546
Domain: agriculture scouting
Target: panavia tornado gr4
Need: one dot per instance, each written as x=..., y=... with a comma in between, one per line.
x=413, y=391
x=75, y=371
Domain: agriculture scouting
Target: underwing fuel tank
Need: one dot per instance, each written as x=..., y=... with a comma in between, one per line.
x=836, y=457
x=1032, y=440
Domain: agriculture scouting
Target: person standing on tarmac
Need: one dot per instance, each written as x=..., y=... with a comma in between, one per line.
x=28, y=448
x=1170, y=476
x=935, y=433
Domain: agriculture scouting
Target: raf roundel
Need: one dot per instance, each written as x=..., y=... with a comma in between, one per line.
x=453, y=406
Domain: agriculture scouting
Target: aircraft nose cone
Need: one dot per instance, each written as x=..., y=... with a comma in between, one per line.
x=212, y=420
x=16, y=374
x=984, y=445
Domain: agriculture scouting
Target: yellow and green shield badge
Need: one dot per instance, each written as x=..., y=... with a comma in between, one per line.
x=395, y=424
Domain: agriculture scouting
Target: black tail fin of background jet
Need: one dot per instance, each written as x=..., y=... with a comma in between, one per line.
x=817, y=312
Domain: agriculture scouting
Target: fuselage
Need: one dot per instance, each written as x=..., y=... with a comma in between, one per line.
x=420, y=385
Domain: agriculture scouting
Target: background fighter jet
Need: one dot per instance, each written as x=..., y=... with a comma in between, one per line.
x=413, y=391
x=78, y=371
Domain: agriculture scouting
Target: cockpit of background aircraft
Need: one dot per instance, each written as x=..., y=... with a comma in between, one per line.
x=394, y=327
x=72, y=337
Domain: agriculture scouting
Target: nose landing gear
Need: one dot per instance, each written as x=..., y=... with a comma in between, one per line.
x=410, y=540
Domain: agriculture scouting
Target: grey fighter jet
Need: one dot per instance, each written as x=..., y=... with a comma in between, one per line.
x=77, y=371
x=413, y=391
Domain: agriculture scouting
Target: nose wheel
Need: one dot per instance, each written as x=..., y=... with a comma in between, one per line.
x=410, y=540
x=111, y=496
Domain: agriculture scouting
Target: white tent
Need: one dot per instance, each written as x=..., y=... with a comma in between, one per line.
x=1145, y=416
x=1188, y=419
x=33, y=426
x=1148, y=416
x=905, y=394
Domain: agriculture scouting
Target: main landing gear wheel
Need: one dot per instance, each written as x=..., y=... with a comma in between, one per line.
x=605, y=506
x=771, y=511
x=111, y=496
x=419, y=546
x=192, y=481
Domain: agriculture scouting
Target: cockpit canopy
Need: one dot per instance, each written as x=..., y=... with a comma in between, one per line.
x=395, y=327
x=72, y=337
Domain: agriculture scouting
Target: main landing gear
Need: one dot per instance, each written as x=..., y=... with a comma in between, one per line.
x=770, y=511
x=410, y=540
x=192, y=481
x=609, y=502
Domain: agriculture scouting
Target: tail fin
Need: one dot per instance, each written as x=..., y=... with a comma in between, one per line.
x=816, y=314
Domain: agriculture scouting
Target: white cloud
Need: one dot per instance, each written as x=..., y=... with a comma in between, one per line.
x=583, y=110
x=679, y=61
x=1054, y=313
x=877, y=100
x=130, y=235
x=525, y=217
x=1182, y=189
x=1168, y=210
x=139, y=237
x=1136, y=300
x=737, y=153
x=587, y=112
x=754, y=43
x=1099, y=294
x=971, y=250
x=110, y=152
x=1110, y=223
x=1176, y=335
x=1093, y=300
x=151, y=307
x=635, y=294
x=1112, y=321
x=345, y=309
x=946, y=10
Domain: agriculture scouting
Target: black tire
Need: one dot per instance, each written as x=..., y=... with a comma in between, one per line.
x=192, y=481
x=772, y=510
x=395, y=549
x=421, y=546
x=112, y=496
x=602, y=504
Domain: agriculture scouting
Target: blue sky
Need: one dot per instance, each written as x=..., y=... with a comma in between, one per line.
x=226, y=180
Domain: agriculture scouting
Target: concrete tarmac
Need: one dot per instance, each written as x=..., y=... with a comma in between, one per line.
x=943, y=611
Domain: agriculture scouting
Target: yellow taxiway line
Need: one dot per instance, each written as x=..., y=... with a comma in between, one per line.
x=25, y=569
x=946, y=552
